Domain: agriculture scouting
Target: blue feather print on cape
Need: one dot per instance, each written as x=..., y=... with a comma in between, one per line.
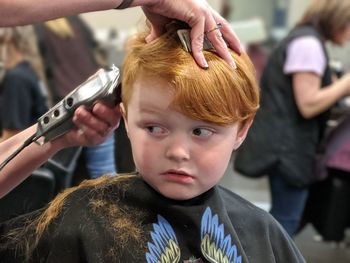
x=165, y=247
x=215, y=246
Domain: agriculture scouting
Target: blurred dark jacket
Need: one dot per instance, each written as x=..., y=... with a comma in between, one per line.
x=280, y=135
x=68, y=60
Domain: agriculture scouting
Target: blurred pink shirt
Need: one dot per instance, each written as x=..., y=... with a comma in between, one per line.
x=305, y=54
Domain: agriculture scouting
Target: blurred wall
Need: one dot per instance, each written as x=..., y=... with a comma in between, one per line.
x=295, y=10
x=246, y=9
x=120, y=20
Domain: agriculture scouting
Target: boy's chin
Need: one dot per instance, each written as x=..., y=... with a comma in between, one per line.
x=175, y=191
x=178, y=195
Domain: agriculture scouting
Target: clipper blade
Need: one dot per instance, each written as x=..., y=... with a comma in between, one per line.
x=185, y=38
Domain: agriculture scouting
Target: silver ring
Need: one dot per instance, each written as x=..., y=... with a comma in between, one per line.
x=218, y=26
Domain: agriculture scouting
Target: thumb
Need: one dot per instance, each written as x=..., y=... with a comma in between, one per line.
x=158, y=23
x=155, y=32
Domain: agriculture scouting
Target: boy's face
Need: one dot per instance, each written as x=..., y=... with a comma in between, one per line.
x=179, y=157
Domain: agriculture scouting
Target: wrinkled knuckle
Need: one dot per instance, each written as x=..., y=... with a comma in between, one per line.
x=199, y=39
x=191, y=17
x=218, y=35
x=217, y=39
x=205, y=11
x=225, y=24
x=197, y=45
x=223, y=45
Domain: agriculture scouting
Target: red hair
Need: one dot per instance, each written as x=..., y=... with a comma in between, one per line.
x=219, y=95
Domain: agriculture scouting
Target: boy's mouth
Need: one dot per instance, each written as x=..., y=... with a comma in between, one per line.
x=179, y=174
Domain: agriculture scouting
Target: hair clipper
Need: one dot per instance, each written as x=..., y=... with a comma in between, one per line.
x=103, y=87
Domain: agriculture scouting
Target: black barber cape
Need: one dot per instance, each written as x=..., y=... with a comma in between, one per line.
x=129, y=221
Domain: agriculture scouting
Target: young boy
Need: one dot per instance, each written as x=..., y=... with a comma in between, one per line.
x=183, y=123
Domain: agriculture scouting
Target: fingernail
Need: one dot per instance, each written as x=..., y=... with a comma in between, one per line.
x=205, y=64
x=240, y=49
x=233, y=65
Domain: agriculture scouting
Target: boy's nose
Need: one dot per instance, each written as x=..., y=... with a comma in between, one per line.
x=178, y=151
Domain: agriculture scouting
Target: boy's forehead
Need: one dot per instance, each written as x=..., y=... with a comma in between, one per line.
x=149, y=89
x=146, y=82
x=149, y=77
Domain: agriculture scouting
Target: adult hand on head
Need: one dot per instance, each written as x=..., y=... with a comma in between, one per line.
x=92, y=127
x=201, y=18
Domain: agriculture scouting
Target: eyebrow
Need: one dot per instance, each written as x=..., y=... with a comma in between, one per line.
x=151, y=110
x=154, y=114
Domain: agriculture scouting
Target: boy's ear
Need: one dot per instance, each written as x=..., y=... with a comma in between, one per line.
x=123, y=111
x=242, y=133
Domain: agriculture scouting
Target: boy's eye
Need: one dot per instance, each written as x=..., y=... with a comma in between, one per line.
x=202, y=132
x=155, y=129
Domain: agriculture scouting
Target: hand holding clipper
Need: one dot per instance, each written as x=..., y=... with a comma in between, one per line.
x=102, y=87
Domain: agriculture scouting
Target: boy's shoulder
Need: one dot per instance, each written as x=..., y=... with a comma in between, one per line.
x=243, y=204
x=246, y=215
x=237, y=205
x=258, y=231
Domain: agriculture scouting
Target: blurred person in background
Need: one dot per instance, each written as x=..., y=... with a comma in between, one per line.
x=22, y=91
x=297, y=93
x=68, y=50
